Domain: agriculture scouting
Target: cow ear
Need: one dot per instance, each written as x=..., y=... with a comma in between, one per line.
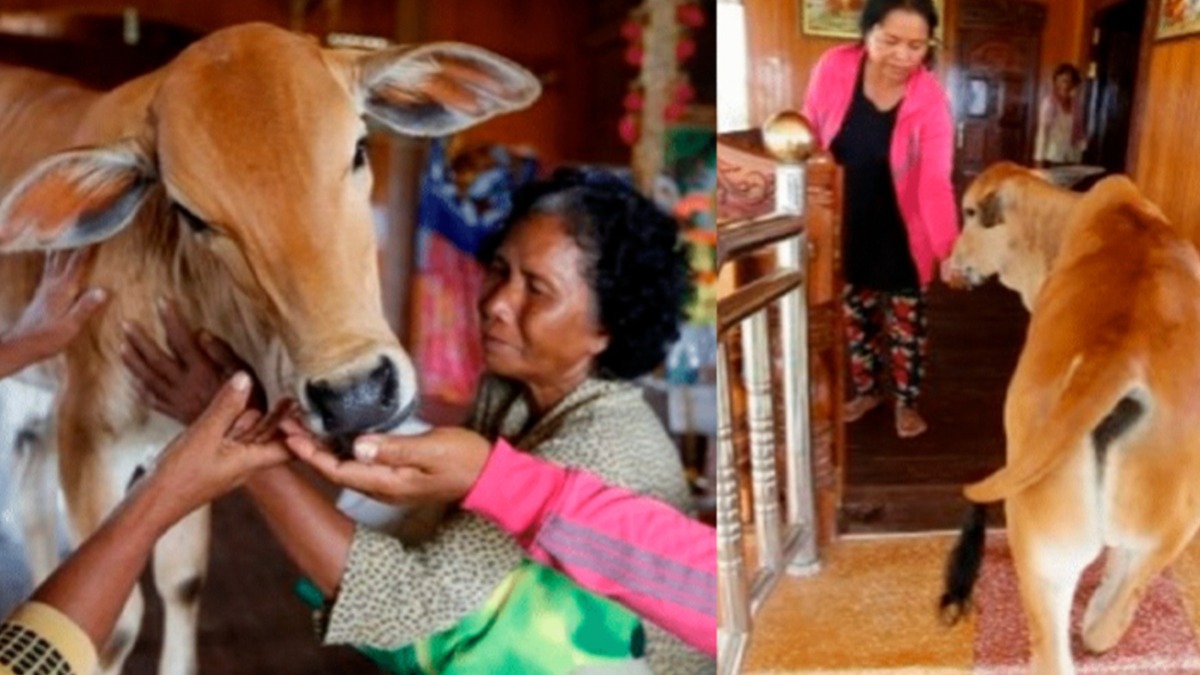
x=441, y=88
x=75, y=198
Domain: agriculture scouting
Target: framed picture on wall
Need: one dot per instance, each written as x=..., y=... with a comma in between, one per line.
x=1176, y=18
x=839, y=18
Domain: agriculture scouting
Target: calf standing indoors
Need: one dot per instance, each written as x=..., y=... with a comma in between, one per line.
x=1102, y=449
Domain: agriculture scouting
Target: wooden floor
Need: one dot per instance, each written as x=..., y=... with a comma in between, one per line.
x=915, y=484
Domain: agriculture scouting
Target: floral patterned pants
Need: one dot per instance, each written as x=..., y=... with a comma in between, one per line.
x=886, y=327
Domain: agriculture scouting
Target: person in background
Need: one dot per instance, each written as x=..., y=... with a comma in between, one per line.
x=877, y=107
x=1061, y=136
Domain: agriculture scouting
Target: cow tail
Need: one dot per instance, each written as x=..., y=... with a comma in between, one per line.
x=1096, y=392
x=963, y=565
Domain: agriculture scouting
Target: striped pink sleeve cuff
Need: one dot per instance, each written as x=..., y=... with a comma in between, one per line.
x=631, y=548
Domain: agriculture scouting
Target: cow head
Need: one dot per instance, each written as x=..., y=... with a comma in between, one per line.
x=1012, y=227
x=244, y=160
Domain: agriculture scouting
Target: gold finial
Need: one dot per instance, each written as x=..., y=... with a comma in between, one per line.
x=789, y=137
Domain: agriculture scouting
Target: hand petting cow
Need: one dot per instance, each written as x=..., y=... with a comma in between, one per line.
x=234, y=179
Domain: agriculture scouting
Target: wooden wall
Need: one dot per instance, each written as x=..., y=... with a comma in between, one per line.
x=781, y=56
x=546, y=37
x=1167, y=147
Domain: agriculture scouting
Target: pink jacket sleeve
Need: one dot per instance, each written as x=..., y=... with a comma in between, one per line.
x=938, y=210
x=633, y=549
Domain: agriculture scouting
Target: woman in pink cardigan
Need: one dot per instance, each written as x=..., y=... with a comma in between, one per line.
x=878, y=109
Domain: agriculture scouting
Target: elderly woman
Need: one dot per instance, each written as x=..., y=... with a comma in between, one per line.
x=584, y=291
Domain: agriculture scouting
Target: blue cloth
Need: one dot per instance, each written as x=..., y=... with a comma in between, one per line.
x=467, y=219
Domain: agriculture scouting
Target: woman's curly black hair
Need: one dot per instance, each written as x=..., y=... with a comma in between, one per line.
x=634, y=261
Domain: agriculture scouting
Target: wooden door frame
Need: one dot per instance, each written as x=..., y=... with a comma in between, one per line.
x=957, y=71
x=1137, y=119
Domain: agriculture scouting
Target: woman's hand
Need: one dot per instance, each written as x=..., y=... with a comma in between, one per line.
x=180, y=383
x=218, y=452
x=58, y=310
x=438, y=466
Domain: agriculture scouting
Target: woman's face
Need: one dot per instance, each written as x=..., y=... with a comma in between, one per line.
x=899, y=44
x=537, y=316
x=1064, y=86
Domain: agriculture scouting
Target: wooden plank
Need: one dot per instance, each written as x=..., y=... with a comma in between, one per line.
x=738, y=238
x=755, y=296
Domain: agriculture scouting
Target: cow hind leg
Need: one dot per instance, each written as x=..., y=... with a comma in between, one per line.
x=1104, y=626
x=180, y=567
x=1048, y=572
x=1116, y=569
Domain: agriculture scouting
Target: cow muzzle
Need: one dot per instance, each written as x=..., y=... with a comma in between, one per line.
x=360, y=402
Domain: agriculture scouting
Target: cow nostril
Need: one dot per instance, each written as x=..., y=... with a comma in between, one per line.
x=362, y=403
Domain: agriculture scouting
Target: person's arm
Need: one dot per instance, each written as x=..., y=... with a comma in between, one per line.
x=811, y=108
x=348, y=563
x=179, y=384
x=58, y=311
x=87, y=592
x=634, y=549
x=315, y=534
x=938, y=210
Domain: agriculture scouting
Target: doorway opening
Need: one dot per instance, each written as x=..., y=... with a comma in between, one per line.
x=1116, y=51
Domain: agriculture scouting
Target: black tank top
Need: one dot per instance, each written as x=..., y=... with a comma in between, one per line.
x=875, y=242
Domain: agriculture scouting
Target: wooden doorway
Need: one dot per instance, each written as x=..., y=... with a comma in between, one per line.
x=1116, y=52
x=995, y=83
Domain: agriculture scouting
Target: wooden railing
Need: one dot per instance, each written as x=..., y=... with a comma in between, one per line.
x=786, y=539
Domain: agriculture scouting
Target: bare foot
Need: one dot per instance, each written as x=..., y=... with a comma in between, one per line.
x=909, y=422
x=860, y=405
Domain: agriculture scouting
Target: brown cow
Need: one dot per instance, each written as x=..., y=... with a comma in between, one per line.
x=235, y=180
x=1101, y=445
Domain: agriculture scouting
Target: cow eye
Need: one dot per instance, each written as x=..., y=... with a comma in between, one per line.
x=360, y=153
x=194, y=222
x=969, y=212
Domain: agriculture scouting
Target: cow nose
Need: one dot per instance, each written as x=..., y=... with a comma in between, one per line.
x=365, y=402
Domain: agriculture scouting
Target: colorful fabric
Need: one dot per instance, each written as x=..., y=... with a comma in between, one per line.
x=921, y=155
x=536, y=621
x=886, y=327
x=633, y=549
x=447, y=349
x=467, y=206
x=37, y=639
